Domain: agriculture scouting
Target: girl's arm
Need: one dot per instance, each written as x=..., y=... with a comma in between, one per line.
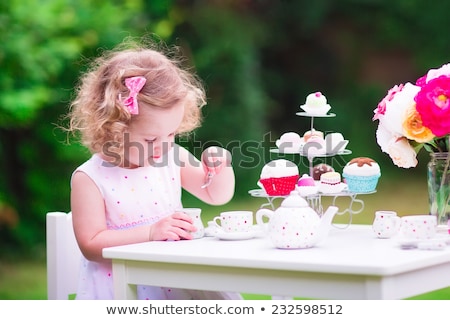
x=193, y=175
x=89, y=222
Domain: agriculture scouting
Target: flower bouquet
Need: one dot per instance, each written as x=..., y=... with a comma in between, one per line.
x=414, y=117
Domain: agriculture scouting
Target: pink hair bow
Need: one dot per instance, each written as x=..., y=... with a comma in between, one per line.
x=134, y=84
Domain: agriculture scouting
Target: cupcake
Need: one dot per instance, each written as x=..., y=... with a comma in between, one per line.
x=306, y=186
x=312, y=133
x=279, y=177
x=330, y=182
x=314, y=147
x=316, y=104
x=335, y=143
x=361, y=175
x=320, y=169
x=289, y=142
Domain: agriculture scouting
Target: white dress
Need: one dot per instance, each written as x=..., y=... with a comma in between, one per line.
x=135, y=197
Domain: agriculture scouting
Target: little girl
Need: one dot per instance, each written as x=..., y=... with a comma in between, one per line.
x=128, y=109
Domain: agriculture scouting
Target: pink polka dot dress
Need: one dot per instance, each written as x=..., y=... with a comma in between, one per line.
x=134, y=197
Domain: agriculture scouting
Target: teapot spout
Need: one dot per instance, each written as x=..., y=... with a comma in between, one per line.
x=325, y=222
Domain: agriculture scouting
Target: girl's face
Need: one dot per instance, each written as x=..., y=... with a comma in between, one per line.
x=151, y=135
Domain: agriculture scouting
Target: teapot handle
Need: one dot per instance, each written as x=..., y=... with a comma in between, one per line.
x=259, y=218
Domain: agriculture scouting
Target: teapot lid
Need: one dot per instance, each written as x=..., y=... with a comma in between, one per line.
x=294, y=200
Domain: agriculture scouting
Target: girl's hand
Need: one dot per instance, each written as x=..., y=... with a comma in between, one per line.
x=214, y=159
x=174, y=227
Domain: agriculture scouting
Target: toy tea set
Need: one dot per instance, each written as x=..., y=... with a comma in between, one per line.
x=300, y=221
x=294, y=225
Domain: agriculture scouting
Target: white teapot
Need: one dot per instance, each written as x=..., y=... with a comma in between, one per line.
x=295, y=225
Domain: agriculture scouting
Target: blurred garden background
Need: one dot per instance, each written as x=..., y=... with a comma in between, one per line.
x=259, y=59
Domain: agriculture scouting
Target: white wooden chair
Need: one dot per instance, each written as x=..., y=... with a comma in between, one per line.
x=63, y=256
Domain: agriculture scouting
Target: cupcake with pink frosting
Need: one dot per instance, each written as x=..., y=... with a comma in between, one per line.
x=306, y=186
x=316, y=104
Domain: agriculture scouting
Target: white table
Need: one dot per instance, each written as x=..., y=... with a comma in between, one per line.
x=349, y=264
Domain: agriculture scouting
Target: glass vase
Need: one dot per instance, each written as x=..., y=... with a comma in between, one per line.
x=439, y=187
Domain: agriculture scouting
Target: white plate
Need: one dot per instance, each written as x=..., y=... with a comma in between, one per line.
x=404, y=242
x=316, y=111
x=306, y=114
x=236, y=235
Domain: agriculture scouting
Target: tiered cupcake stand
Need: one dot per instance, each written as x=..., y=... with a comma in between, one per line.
x=354, y=206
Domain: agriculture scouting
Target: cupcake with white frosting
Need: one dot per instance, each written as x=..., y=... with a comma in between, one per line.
x=330, y=182
x=279, y=177
x=290, y=142
x=361, y=175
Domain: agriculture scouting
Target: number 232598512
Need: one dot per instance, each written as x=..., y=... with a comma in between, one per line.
x=306, y=309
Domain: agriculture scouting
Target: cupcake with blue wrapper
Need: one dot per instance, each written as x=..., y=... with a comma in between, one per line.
x=361, y=175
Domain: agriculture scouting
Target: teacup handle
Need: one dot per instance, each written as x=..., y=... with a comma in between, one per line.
x=397, y=223
x=259, y=218
x=215, y=220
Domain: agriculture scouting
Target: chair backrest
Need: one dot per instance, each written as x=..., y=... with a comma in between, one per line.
x=63, y=256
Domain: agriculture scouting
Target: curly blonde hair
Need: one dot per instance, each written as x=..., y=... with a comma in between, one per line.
x=98, y=113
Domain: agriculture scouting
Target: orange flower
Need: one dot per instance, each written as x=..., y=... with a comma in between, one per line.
x=413, y=127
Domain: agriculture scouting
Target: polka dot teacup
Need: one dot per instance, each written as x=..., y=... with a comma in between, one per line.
x=418, y=227
x=235, y=221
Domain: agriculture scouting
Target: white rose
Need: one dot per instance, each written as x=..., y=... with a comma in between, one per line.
x=397, y=147
x=442, y=71
x=402, y=154
x=384, y=136
x=395, y=113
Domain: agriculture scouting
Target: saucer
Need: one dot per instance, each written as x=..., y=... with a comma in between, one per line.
x=210, y=232
x=438, y=241
x=236, y=235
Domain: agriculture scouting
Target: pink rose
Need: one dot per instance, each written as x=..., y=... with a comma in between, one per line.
x=421, y=81
x=433, y=105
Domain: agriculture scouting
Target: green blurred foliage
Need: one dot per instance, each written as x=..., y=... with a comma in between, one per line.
x=43, y=47
x=259, y=59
